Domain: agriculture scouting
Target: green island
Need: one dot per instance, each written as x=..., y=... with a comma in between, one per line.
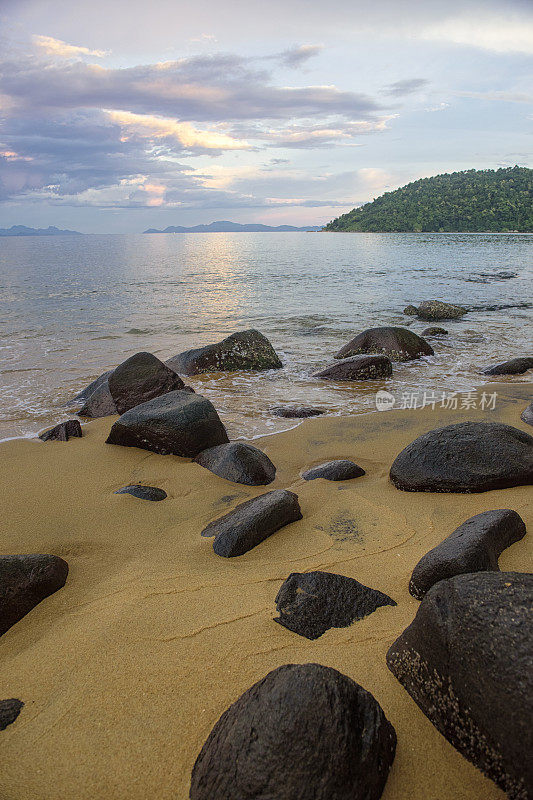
x=473, y=201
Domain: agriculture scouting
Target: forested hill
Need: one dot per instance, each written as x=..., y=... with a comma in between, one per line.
x=474, y=200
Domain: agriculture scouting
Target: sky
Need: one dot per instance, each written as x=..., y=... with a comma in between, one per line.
x=119, y=115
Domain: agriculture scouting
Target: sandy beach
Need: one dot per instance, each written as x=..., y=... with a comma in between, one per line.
x=125, y=670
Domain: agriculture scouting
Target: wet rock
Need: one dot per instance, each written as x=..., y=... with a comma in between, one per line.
x=238, y=462
x=527, y=414
x=436, y=309
x=516, y=366
x=252, y=522
x=177, y=422
x=467, y=661
x=139, y=379
x=71, y=429
x=9, y=711
x=466, y=457
x=143, y=492
x=357, y=368
x=303, y=732
x=411, y=311
x=474, y=546
x=25, y=580
x=434, y=331
x=93, y=386
x=310, y=603
x=339, y=470
x=400, y=344
x=245, y=350
x=297, y=412
x=99, y=403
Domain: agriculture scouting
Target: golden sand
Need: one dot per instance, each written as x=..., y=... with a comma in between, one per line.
x=125, y=670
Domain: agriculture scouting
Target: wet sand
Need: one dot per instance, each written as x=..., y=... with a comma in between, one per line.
x=125, y=670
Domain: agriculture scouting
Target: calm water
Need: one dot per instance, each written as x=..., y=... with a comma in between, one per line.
x=72, y=307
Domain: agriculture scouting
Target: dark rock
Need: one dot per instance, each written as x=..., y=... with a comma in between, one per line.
x=474, y=546
x=238, y=462
x=400, y=344
x=516, y=366
x=467, y=661
x=85, y=393
x=357, y=368
x=435, y=309
x=9, y=711
x=26, y=580
x=143, y=492
x=411, y=311
x=434, y=331
x=297, y=412
x=139, y=379
x=340, y=470
x=466, y=457
x=253, y=521
x=177, y=422
x=245, y=350
x=99, y=403
x=303, y=732
x=310, y=603
x=71, y=429
x=527, y=414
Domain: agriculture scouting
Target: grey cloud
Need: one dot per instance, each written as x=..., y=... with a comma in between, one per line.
x=296, y=56
x=402, y=88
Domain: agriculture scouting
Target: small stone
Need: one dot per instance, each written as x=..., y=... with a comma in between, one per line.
x=434, y=331
x=238, y=462
x=143, y=492
x=340, y=470
x=357, y=368
x=297, y=412
x=9, y=711
x=71, y=429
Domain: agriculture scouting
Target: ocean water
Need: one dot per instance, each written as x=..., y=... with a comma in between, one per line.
x=73, y=307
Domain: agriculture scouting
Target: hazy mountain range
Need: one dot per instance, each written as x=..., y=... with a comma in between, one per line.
x=22, y=230
x=233, y=227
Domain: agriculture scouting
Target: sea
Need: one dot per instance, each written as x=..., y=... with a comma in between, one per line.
x=72, y=307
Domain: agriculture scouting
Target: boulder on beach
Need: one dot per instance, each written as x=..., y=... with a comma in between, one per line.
x=527, y=414
x=252, y=522
x=25, y=580
x=238, y=462
x=152, y=493
x=297, y=412
x=467, y=661
x=310, y=603
x=71, y=429
x=178, y=422
x=435, y=310
x=340, y=470
x=465, y=457
x=93, y=386
x=245, y=350
x=474, y=546
x=434, y=330
x=516, y=366
x=399, y=344
x=303, y=732
x=9, y=711
x=139, y=379
x=99, y=403
x=357, y=368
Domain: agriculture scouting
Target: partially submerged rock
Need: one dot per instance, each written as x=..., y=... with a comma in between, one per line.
x=310, y=603
x=71, y=429
x=434, y=331
x=474, y=546
x=9, y=711
x=399, y=344
x=143, y=492
x=177, y=422
x=252, y=522
x=99, y=403
x=297, y=412
x=357, y=368
x=93, y=386
x=303, y=732
x=527, y=414
x=516, y=366
x=238, y=462
x=410, y=311
x=245, y=350
x=25, y=580
x=436, y=309
x=466, y=457
x=139, y=379
x=467, y=661
x=339, y=470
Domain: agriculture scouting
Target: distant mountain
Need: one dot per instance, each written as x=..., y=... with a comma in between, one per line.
x=473, y=201
x=233, y=227
x=22, y=230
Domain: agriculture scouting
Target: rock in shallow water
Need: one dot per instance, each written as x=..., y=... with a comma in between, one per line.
x=309, y=603
x=252, y=522
x=340, y=470
x=527, y=414
x=9, y=711
x=245, y=350
x=71, y=429
x=400, y=344
x=238, y=462
x=99, y=403
x=434, y=331
x=139, y=379
x=25, y=580
x=466, y=457
x=180, y=423
x=297, y=412
x=467, y=661
x=474, y=546
x=516, y=366
x=436, y=309
x=357, y=368
x=143, y=492
x=304, y=732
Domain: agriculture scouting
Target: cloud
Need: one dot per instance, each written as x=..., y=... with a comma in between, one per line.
x=402, y=88
x=501, y=33
x=506, y=97
x=55, y=47
x=296, y=56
